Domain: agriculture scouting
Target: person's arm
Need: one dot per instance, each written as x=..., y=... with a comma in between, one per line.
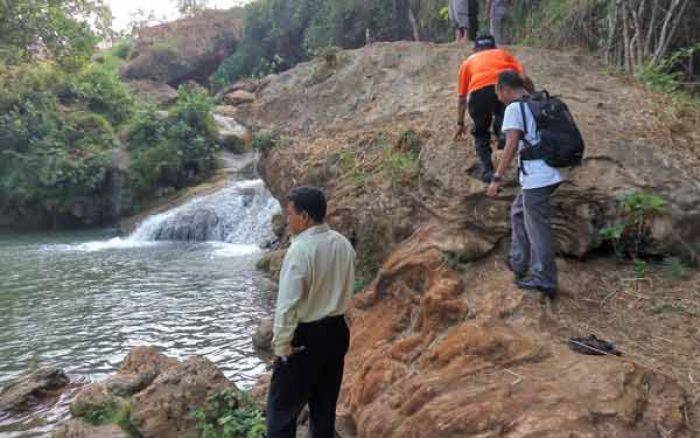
x=462, y=90
x=292, y=287
x=512, y=140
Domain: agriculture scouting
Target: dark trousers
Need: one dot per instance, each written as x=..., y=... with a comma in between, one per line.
x=531, y=239
x=485, y=110
x=311, y=376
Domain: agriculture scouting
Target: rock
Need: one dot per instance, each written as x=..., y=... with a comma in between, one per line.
x=76, y=428
x=232, y=135
x=239, y=97
x=251, y=86
x=162, y=409
x=225, y=111
x=157, y=93
x=92, y=399
x=262, y=338
x=37, y=386
x=279, y=225
x=146, y=359
x=191, y=48
x=272, y=263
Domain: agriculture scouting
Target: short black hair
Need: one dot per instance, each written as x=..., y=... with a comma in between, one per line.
x=510, y=79
x=484, y=42
x=310, y=200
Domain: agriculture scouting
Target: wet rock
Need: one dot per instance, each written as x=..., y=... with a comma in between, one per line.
x=93, y=399
x=76, y=428
x=262, y=338
x=272, y=263
x=146, y=359
x=157, y=93
x=33, y=388
x=239, y=97
x=232, y=135
x=162, y=409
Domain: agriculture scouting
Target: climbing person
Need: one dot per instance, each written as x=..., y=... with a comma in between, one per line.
x=310, y=336
x=465, y=15
x=477, y=94
x=499, y=13
x=531, y=248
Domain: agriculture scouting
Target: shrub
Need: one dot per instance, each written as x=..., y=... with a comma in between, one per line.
x=173, y=151
x=264, y=141
x=229, y=414
x=629, y=235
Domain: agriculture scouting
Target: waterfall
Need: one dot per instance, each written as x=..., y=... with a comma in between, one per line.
x=240, y=213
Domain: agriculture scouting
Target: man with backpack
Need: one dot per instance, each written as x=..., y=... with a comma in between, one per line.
x=477, y=93
x=541, y=130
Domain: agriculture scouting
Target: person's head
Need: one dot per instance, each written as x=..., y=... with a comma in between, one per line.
x=510, y=86
x=484, y=42
x=306, y=207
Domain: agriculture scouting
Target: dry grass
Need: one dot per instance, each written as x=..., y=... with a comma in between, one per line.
x=655, y=321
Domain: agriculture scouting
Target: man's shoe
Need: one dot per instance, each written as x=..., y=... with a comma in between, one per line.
x=519, y=275
x=530, y=284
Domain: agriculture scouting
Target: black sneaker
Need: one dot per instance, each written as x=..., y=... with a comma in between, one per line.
x=529, y=284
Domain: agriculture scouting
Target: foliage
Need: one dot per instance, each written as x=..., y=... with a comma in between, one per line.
x=117, y=411
x=174, y=150
x=264, y=141
x=280, y=34
x=401, y=168
x=675, y=269
x=630, y=233
x=56, y=134
x=229, y=414
x=191, y=7
x=62, y=30
x=664, y=76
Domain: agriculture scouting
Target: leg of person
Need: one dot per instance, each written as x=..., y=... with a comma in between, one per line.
x=324, y=396
x=290, y=389
x=480, y=112
x=519, y=257
x=537, y=213
x=498, y=110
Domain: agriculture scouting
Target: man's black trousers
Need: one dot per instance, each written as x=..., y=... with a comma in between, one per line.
x=485, y=109
x=311, y=376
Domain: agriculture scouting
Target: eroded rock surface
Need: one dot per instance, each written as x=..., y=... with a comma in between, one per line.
x=443, y=344
x=32, y=388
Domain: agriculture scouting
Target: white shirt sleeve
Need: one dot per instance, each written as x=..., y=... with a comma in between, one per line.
x=513, y=118
x=293, y=285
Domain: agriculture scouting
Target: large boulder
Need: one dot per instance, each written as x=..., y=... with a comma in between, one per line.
x=163, y=409
x=233, y=136
x=157, y=93
x=262, y=338
x=239, y=97
x=188, y=49
x=35, y=387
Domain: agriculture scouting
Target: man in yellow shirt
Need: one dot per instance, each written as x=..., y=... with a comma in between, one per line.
x=311, y=337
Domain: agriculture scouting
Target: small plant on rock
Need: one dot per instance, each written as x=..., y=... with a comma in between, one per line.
x=630, y=234
x=229, y=414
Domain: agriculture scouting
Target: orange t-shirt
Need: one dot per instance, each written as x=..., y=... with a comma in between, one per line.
x=482, y=69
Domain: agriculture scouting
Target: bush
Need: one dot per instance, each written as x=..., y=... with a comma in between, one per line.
x=229, y=414
x=629, y=235
x=173, y=151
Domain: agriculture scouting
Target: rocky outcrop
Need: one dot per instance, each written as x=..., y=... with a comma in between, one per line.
x=443, y=344
x=262, y=338
x=187, y=49
x=157, y=93
x=163, y=408
x=151, y=395
x=35, y=387
x=80, y=429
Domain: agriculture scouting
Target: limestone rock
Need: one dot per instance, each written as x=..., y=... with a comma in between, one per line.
x=272, y=263
x=25, y=391
x=146, y=359
x=163, y=408
x=158, y=93
x=76, y=428
x=92, y=398
x=262, y=338
x=239, y=97
x=187, y=49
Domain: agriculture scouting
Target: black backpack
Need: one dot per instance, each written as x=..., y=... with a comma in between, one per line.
x=561, y=144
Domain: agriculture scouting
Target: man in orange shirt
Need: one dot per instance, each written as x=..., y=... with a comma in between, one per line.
x=477, y=93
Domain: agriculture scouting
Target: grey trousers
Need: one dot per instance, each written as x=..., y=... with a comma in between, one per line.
x=499, y=24
x=531, y=236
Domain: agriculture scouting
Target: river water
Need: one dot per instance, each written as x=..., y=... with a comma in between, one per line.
x=81, y=300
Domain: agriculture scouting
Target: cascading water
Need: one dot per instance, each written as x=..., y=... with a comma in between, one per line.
x=240, y=213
